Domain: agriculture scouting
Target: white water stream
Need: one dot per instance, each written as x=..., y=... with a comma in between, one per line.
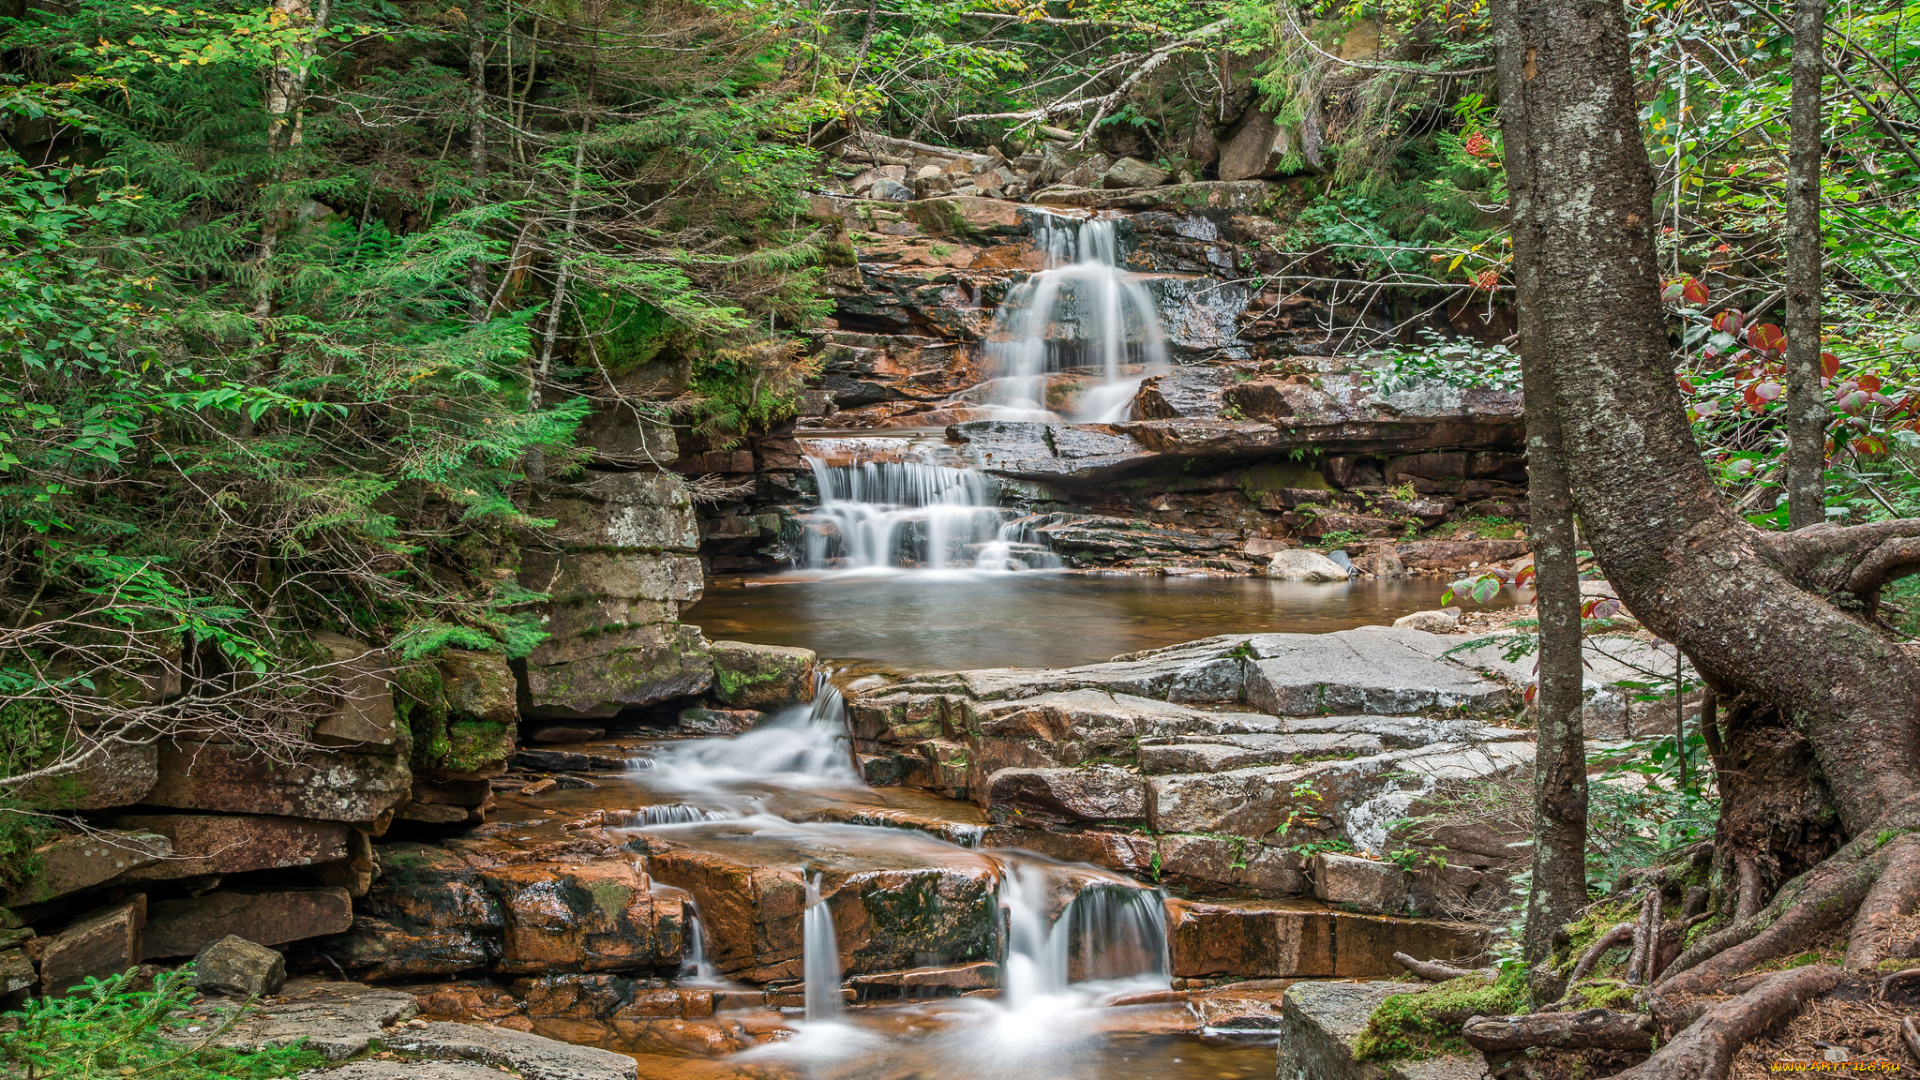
x=1083, y=312
x=900, y=514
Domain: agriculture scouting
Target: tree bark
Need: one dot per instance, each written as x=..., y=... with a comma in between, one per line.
x=1559, y=882
x=1768, y=618
x=478, y=296
x=1806, y=400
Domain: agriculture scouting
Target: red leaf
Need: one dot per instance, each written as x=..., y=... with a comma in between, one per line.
x=1729, y=321
x=1766, y=391
x=1767, y=338
x=1525, y=576
x=1870, y=383
x=1853, y=401
x=1686, y=384
x=1694, y=292
x=1829, y=365
x=1672, y=290
x=1869, y=446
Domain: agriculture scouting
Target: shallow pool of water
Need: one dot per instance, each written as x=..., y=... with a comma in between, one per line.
x=922, y=621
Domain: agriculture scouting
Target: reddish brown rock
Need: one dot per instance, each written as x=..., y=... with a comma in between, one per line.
x=102, y=943
x=1251, y=938
x=328, y=786
x=220, y=844
x=183, y=927
x=1368, y=942
x=363, y=715
x=598, y=916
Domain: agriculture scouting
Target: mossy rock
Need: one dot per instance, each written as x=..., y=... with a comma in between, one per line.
x=1426, y=1022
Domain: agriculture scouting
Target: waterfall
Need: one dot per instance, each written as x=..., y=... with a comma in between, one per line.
x=820, y=957
x=879, y=515
x=1106, y=932
x=805, y=744
x=1081, y=312
x=696, y=965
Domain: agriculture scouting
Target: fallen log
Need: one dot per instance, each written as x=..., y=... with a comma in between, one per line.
x=1432, y=970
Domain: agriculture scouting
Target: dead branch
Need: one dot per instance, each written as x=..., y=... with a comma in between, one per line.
x=712, y=488
x=1588, y=1029
x=1101, y=103
x=1646, y=937
x=1704, y=1051
x=1431, y=970
x=1911, y=1036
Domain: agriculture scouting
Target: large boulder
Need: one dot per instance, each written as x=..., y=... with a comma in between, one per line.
x=1101, y=793
x=1299, y=564
x=1257, y=146
x=1131, y=172
x=653, y=663
x=763, y=677
x=1320, y=1021
x=337, y=1020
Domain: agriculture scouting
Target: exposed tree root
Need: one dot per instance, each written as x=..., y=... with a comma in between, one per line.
x=1911, y=1035
x=1812, y=906
x=1887, y=984
x=1588, y=1029
x=1895, y=895
x=1704, y=1051
x=1431, y=970
x=1619, y=935
x=1646, y=939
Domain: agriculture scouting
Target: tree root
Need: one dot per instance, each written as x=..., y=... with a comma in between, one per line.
x=1619, y=935
x=1646, y=939
x=1894, y=895
x=1588, y=1029
x=1431, y=970
x=1704, y=1051
x=1806, y=909
x=1911, y=1035
x=1887, y=984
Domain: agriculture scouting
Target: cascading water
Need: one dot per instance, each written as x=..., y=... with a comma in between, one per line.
x=898, y=514
x=800, y=745
x=820, y=957
x=1107, y=932
x=696, y=967
x=1081, y=312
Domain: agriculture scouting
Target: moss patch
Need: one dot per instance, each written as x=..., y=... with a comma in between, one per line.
x=1427, y=1023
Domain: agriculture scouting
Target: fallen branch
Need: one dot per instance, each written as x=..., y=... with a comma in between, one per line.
x=1911, y=1036
x=1619, y=935
x=1704, y=1051
x=1588, y=1029
x=1646, y=939
x=1103, y=102
x=1431, y=970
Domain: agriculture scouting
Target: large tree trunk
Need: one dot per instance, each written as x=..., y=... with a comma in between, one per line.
x=1767, y=618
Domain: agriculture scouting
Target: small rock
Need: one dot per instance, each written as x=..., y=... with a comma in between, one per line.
x=1442, y=621
x=1132, y=172
x=1297, y=564
x=566, y=733
x=1343, y=561
x=239, y=968
x=1386, y=564
x=540, y=787
x=891, y=190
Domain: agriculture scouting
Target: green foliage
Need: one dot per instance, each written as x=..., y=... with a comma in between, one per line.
x=1638, y=810
x=1408, y=1027
x=107, y=1030
x=1453, y=362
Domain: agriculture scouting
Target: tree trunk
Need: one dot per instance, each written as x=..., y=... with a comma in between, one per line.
x=1806, y=399
x=1770, y=617
x=1559, y=883
x=478, y=296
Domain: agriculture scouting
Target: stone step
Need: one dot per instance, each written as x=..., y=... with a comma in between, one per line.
x=1266, y=939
